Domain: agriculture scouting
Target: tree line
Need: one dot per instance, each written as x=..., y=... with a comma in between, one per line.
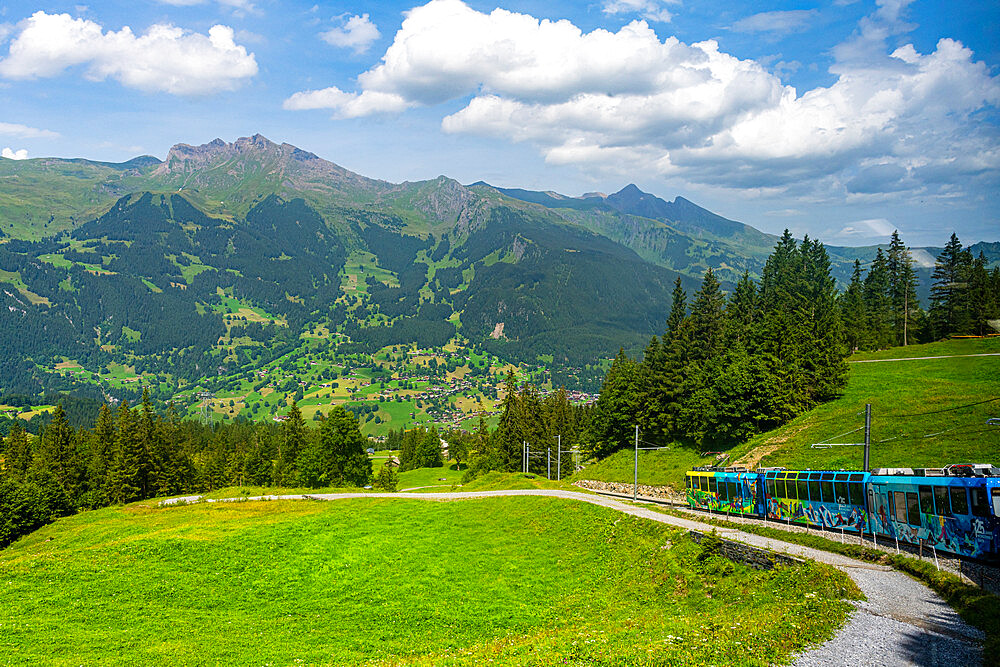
x=729, y=367
x=133, y=454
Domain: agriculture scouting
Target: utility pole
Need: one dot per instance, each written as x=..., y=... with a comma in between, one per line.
x=548, y=463
x=559, y=458
x=868, y=434
x=635, y=478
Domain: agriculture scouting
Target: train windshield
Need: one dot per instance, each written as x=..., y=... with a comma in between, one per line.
x=996, y=500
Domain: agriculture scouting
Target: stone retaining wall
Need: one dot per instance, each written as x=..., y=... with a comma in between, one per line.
x=986, y=577
x=658, y=492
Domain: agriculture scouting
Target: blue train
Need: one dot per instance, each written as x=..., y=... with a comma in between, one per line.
x=955, y=509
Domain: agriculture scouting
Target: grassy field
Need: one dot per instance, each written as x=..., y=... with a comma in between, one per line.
x=925, y=413
x=508, y=580
x=441, y=479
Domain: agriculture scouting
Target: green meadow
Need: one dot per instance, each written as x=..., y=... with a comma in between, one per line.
x=393, y=581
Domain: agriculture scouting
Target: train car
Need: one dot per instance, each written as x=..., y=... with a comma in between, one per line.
x=954, y=509
x=727, y=490
x=821, y=498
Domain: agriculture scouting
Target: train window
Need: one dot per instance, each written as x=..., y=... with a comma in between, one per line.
x=827, y=491
x=977, y=498
x=959, y=501
x=771, y=490
x=733, y=491
x=801, y=485
x=828, y=475
x=912, y=509
x=941, y=501
x=857, y=495
x=995, y=493
x=857, y=478
x=782, y=490
x=926, y=500
x=840, y=494
x=814, y=490
x=687, y=481
x=899, y=505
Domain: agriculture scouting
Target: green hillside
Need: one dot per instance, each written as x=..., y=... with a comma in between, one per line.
x=925, y=413
x=378, y=581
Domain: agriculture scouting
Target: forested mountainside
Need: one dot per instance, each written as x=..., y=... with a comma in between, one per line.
x=148, y=264
x=145, y=281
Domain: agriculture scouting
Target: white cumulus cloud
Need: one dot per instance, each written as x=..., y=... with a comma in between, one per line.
x=165, y=58
x=653, y=10
x=896, y=122
x=14, y=155
x=357, y=33
x=26, y=132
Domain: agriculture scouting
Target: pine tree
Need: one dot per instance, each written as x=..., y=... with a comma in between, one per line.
x=102, y=456
x=660, y=376
x=742, y=312
x=949, y=306
x=291, y=443
x=126, y=473
x=878, y=304
x=706, y=328
x=823, y=364
x=616, y=408
x=57, y=453
x=17, y=452
x=509, y=436
x=981, y=301
x=853, y=312
x=343, y=448
x=678, y=311
x=428, y=453
x=902, y=290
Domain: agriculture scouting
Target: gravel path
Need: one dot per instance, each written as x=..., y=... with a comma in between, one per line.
x=941, y=356
x=902, y=622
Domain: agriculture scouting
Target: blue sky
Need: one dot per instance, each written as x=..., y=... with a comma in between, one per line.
x=844, y=120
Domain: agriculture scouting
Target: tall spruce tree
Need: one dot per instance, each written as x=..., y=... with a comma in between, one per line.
x=854, y=313
x=878, y=304
x=126, y=474
x=982, y=303
x=823, y=357
x=57, y=453
x=509, y=436
x=343, y=449
x=949, y=304
x=291, y=443
x=17, y=452
x=617, y=407
x=742, y=312
x=902, y=290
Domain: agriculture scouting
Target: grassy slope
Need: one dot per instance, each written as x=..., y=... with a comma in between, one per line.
x=516, y=580
x=899, y=391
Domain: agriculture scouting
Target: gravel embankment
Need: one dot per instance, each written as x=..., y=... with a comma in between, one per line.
x=902, y=622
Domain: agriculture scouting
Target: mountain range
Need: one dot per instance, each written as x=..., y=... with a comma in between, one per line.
x=131, y=260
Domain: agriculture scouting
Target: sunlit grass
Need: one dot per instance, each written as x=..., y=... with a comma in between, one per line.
x=515, y=580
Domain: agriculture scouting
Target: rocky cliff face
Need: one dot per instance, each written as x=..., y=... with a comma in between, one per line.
x=280, y=168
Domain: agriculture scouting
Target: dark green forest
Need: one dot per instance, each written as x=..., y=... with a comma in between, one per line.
x=134, y=454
